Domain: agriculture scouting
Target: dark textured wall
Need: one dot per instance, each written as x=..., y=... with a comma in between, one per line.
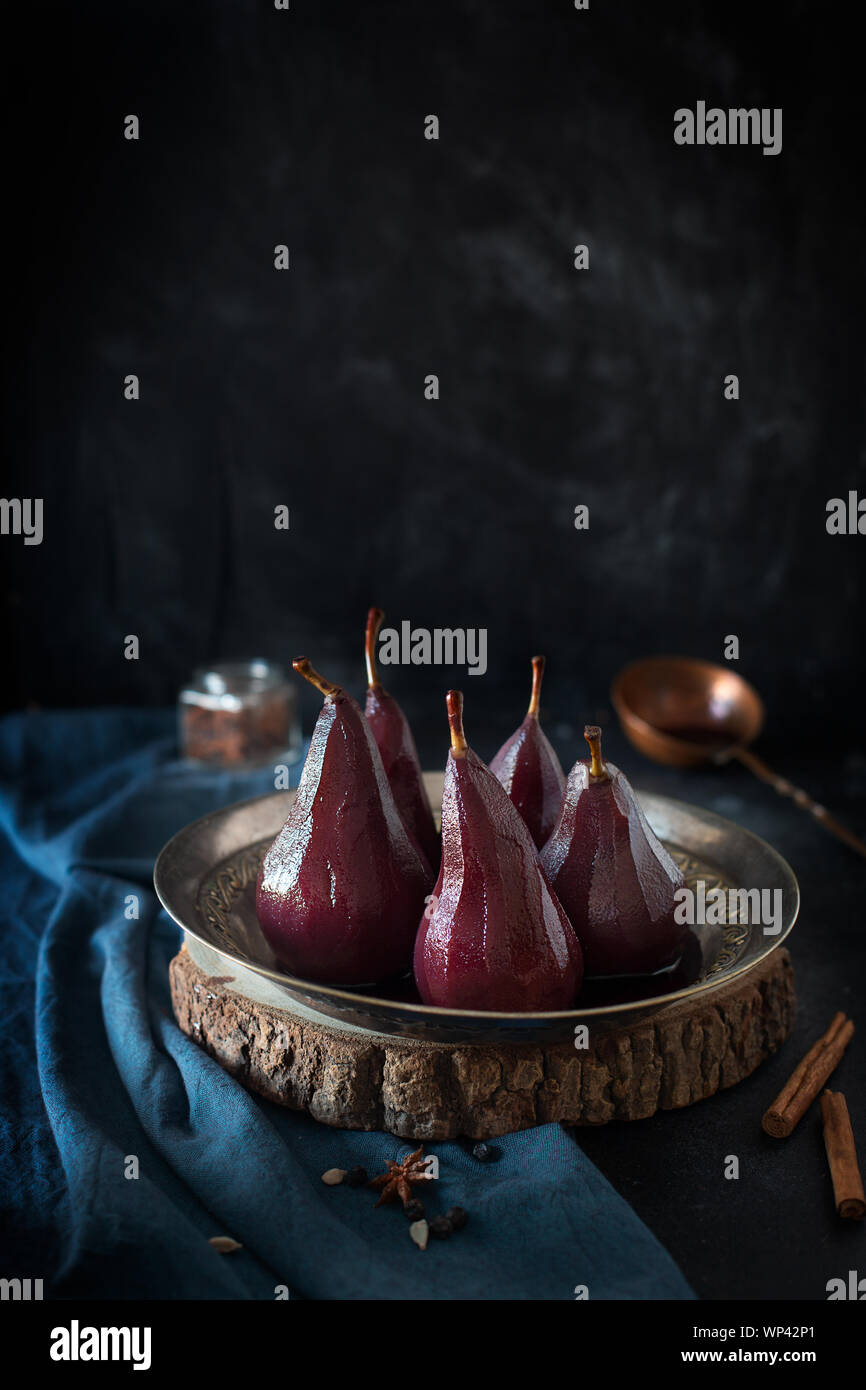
x=409, y=257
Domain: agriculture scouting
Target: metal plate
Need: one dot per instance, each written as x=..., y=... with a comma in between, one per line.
x=205, y=878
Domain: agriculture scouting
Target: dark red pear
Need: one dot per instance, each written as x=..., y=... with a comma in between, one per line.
x=612, y=875
x=397, y=746
x=494, y=935
x=342, y=885
x=529, y=770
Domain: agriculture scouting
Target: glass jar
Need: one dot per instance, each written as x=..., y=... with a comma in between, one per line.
x=239, y=714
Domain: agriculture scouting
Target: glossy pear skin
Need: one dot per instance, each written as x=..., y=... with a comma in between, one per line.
x=614, y=878
x=496, y=937
x=532, y=775
x=396, y=746
x=342, y=885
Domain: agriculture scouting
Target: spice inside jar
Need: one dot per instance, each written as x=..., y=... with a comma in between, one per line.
x=238, y=713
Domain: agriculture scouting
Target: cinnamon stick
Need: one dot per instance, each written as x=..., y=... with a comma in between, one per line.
x=842, y=1157
x=807, y=1079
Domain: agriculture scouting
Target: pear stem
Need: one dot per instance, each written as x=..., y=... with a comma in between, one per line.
x=537, y=674
x=454, y=701
x=374, y=622
x=592, y=734
x=308, y=671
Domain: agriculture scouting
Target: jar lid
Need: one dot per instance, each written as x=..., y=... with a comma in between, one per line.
x=226, y=684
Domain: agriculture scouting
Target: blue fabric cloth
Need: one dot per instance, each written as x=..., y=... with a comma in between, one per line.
x=94, y=1070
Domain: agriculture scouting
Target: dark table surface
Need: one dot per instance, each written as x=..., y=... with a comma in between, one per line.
x=772, y=1232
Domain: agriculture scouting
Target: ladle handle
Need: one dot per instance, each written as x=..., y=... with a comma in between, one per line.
x=799, y=797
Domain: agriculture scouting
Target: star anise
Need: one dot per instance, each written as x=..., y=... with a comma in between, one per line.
x=401, y=1178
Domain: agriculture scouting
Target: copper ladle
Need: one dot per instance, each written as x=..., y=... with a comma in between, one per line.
x=685, y=712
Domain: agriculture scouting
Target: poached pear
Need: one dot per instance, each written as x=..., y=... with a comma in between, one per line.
x=612, y=875
x=341, y=887
x=494, y=935
x=529, y=769
x=397, y=748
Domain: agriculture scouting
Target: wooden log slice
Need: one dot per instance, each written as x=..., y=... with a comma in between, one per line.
x=680, y=1054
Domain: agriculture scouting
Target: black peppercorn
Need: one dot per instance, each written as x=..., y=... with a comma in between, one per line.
x=356, y=1177
x=457, y=1217
x=483, y=1152
x=440, y=1227
x=414, y=1209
